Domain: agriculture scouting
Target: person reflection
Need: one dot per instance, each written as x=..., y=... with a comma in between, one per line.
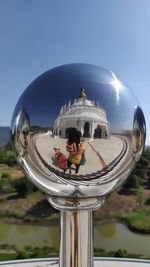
x=60, y=159
x=76, y=148
x=138, y=140
x=25, y=134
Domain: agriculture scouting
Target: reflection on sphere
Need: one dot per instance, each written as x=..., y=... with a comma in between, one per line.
x=77, y=130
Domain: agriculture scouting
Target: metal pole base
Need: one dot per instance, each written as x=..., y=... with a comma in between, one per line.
x=76, y=243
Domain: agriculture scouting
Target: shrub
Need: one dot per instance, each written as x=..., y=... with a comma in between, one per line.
x=133, y=181
x=23, y=186
x=7, y=157
x=147, y=202
x=5, y=175
x=23, y=254
x=120, y=253
x=6, y=185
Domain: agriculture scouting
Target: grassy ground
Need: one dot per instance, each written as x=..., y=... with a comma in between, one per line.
x=8, y=253
x=128, y=209
x=14, y=172
x=131, y=207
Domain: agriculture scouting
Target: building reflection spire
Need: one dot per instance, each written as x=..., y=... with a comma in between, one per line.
x=82, y=93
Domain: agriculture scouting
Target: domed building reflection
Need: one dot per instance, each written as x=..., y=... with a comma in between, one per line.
x=55, y=148
x=84, y=116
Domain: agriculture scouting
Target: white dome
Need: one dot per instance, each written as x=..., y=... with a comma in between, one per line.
x=83, y=102
x=83, y=108
x=80, y=112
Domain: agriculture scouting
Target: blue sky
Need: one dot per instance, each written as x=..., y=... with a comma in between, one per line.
x=37, y=35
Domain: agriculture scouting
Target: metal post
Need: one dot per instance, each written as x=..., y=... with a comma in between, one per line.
x=76, y=244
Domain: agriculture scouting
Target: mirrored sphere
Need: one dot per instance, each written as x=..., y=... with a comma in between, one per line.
x=77, y=131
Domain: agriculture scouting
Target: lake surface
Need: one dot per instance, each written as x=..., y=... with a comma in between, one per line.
x=108, y=236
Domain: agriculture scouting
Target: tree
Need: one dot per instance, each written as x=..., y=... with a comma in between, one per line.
x=133, y=181
x=23, y=186
x=6, y=184
x=7, y=157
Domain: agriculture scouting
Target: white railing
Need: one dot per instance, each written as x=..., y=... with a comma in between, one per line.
x=98, y=262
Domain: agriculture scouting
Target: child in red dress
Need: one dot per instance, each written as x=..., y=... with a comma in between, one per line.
x=60, y=159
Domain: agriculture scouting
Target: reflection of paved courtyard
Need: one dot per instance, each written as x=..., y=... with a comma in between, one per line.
x=99, y=152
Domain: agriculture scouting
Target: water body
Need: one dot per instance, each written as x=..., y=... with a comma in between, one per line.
x=109, y=237
x=113, y=236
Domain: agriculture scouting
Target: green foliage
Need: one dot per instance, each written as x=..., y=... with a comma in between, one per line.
x=6, y=185
x=141, y=173
x=33, y=219
x=7, y=213
x=7, y=246
x=133, y=181
x=5, y=175
x=147, y=202
x=23, y=254
x=146, y=154
x=54, y=217
x=8, y=146
x=7, y=256
x=121, y=253
x=10, y=159
x=139, y=220
x=23, y=186
x=7, y=157
x=10, y=252
x=143, y=166
x=36, y=252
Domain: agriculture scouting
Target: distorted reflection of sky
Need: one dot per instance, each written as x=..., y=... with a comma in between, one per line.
x=45, y=96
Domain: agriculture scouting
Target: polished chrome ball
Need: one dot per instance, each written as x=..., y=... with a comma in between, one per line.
x=77, y=131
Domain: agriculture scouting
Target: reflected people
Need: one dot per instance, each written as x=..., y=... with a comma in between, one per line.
x=60, y=159
x=76, y=150
x=139, y=129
